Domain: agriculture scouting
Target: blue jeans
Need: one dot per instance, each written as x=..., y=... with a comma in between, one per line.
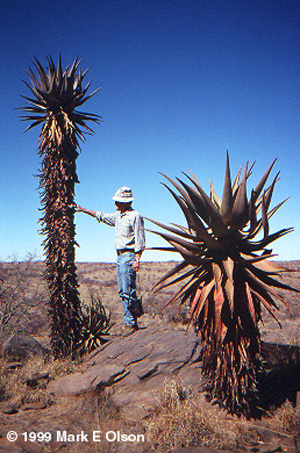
x=126, y=282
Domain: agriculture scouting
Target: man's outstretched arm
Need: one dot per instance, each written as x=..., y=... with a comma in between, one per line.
x=109, y=219
x=86, y=211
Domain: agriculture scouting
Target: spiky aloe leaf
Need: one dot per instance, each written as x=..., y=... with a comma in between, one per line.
x=240, y=209
x=227, y=198
x=227, y=276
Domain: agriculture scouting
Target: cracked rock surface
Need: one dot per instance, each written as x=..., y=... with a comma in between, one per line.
x=135, y=367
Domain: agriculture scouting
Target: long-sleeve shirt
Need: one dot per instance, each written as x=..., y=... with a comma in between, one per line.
x=129, y=229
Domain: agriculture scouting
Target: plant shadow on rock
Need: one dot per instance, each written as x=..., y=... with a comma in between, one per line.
x=280, y=378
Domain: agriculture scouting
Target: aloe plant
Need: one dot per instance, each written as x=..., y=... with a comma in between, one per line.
x=94, y=326
x=56, y=96
x=226, y=277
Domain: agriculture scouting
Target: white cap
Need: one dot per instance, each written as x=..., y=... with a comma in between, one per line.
x=123, y=195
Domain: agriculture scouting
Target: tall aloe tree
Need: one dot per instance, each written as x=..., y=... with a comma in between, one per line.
x=56, y=96
x=226, y=277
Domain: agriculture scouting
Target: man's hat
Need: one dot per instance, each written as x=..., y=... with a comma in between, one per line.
x=123, y=195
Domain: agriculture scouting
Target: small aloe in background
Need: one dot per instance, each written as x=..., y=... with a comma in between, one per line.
x=226, y=277
x=94, y=325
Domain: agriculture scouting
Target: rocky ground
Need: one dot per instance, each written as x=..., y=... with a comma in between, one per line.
x=144, y=392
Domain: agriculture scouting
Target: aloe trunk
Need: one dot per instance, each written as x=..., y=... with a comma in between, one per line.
x=57, y=94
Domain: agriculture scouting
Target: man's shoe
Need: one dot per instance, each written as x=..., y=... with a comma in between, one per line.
x=128, y=329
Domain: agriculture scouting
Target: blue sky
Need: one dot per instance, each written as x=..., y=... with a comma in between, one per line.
x=182, y=81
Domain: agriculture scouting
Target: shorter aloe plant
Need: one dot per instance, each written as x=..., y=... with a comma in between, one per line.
x=94, y=326
x=226, y=278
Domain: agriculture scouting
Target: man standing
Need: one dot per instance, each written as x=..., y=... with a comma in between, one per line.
x=129, y=243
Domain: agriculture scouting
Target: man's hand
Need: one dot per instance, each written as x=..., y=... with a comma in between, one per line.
x=136, y=264
x=84, y=210
x=78, y=208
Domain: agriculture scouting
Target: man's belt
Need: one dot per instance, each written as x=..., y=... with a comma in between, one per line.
x=120, y=252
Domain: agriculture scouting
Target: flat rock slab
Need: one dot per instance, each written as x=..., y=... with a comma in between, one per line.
x=135, y=367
